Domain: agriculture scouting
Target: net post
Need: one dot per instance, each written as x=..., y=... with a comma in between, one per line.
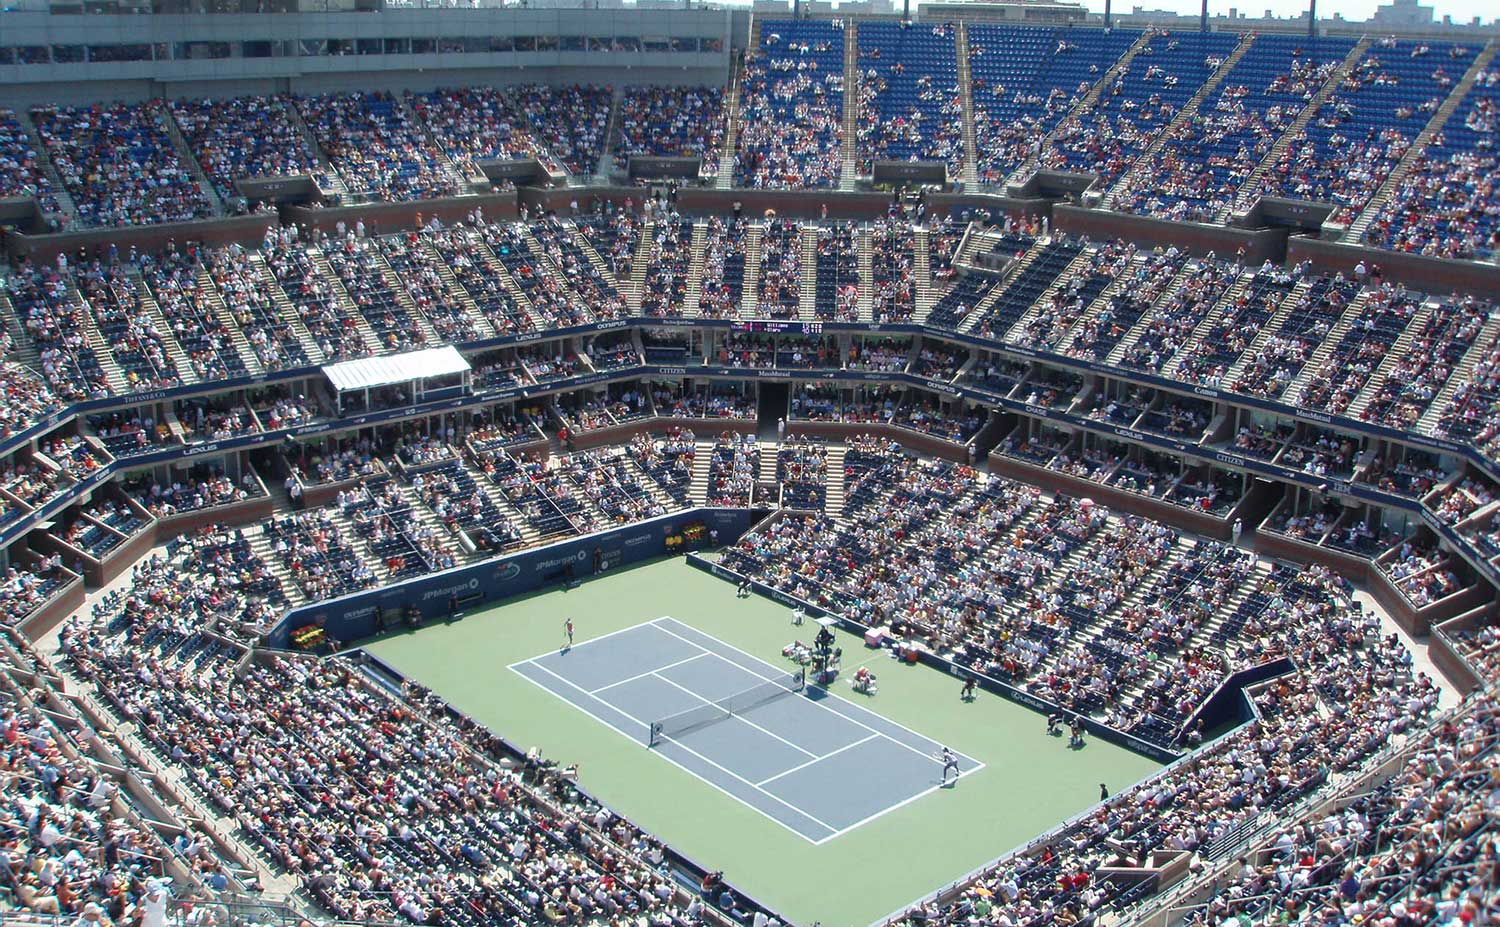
x=653, y=734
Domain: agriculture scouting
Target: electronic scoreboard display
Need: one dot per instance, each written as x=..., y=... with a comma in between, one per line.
x=777, y=327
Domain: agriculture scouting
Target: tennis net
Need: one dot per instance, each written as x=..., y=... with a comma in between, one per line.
x=720, y=709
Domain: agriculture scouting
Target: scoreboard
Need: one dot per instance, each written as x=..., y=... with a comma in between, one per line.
x=777, y=327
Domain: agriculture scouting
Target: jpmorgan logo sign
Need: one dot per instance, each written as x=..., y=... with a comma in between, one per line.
x=443, y=592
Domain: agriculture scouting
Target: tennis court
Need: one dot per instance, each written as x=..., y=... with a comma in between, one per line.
x=1029, y=782
x=809, y=760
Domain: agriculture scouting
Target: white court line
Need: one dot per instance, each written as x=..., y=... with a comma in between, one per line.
x=656, y=624
x=581, y=644
x=516, y=668
x=696, y=656
x=817, y=759
x=707, y=701
x=885, y=811
x=728, y=772
x=849, y=718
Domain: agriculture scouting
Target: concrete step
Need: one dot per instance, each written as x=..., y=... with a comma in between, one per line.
x=808, y=293
x=1140, y=170
x=216, y=308
x=1356, y=230
x=702, y=458
x=175, y=351
x=163, y=115
x=635, y=288
x=834, y=501
x=606, y=165
x=695, y=270
x=923, y=296
x=750, y=291
x=65, y=202
x=331, y=279
x=403, y=295
x=848, y=150
x=969, y=172
x=457, y=292
x=285, y=310
x=866, y=257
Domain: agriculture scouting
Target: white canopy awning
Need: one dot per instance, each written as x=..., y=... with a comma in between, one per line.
x=370, y=372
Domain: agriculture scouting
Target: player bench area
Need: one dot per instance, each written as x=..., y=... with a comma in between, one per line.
x=810, y=760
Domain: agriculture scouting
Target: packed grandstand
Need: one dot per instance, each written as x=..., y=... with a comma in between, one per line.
x=1107, y=465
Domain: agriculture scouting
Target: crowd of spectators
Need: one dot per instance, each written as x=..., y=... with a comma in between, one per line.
x=1445, y=205
x=780, y=286
x=244, y=137
x=1418, y=376
x=493, y=840
x=53, y=317
x=1416, y=848
x=669, y=255
x=198, y=489
x=1025, y=81
x=134, y=339
x=1138, y=104
x=673, y=122
x=118, y=163
x=478, y=124
x=1196, y=174
x=723, y=269
x=910, y=108
x=21, y=172
x=23, y=591
x=1422, y=572
x=1366, y=125
x=792, y=106
x=244, y=286
x=196, y=326
x=733, y=470
x=24, y=399
x=570, y=121
x=802, y=469
x=73, y=849
x=375, y=148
